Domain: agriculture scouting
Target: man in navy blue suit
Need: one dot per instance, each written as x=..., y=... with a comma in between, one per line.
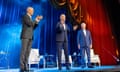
x=62, y=40
x=84, y=42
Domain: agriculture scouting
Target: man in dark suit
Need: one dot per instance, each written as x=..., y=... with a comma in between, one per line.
x=27, y=36
x=62, y=40
x=84, y=41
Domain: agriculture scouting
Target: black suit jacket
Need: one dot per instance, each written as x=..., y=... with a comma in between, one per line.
x=61, y=34
x=27, y=27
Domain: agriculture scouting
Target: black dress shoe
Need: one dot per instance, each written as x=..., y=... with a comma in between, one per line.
x=90, y=66
x=68, y=67
x=83, y=66
x=21, y=70
x=29, y=70
x=60, y=68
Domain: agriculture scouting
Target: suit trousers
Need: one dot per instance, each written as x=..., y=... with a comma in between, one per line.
x=63, y=45
x=25, y=51
x=82, y=52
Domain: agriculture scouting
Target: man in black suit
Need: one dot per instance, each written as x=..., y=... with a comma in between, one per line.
x=27, y=36
x=62, y=40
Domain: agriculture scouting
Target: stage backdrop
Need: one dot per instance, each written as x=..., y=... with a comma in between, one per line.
x=95, y=14
x=11, y=12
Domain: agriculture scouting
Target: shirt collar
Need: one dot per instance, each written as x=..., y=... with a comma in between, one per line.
x=83, y=29
x=29, y=15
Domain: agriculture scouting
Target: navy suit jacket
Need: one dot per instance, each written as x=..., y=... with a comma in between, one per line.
x=83, y=40
x=61, y=34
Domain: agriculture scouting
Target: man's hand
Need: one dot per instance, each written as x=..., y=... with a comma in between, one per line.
x=91, y=46
x=75, y=27
x=38, y=18
x=78, y=46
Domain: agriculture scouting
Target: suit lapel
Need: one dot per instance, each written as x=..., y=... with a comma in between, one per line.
x=84, y=37
x=29, y=17
x=86, y=33
x=82, y=33
x=61, y=26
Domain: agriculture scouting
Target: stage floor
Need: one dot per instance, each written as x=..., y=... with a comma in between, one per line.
x=73, y=69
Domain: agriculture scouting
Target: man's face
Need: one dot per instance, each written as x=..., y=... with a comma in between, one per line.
x=63, y=17
x=83, y=26
x=31, y=11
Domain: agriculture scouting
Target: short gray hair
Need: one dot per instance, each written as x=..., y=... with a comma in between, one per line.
x=28, y=8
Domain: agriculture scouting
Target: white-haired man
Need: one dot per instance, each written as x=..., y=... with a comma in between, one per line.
x=28, y=26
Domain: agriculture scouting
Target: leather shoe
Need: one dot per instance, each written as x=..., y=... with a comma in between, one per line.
x=21, y=70
x=60, y=68
x=68, y=67
x=29, y=71
x=90, y=66
x=83, y=66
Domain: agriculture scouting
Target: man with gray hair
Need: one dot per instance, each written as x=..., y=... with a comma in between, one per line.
x=84, y=42
x=62, y=40
x=28, y=25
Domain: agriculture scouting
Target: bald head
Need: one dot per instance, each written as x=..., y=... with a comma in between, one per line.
x=30, y=10
x=62, y=17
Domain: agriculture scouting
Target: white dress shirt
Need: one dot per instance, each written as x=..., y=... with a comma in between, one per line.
x=64, y=26
x=84, y=31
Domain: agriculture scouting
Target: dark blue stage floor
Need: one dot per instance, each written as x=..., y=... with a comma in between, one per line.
x=73, y=69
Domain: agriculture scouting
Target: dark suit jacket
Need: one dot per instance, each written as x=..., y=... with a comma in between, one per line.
x=84, y=40
x=27, y=27
x=61, y=34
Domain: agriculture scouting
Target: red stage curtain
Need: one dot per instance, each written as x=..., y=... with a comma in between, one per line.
x=98, y=22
